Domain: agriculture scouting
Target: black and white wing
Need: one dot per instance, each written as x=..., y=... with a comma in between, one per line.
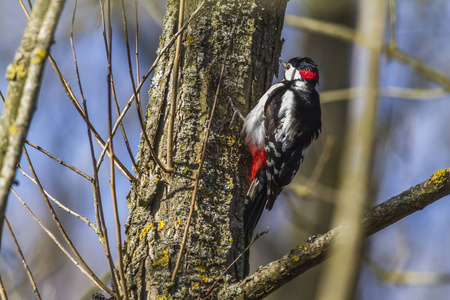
x=292, y=122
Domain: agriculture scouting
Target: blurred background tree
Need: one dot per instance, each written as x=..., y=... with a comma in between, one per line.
x=405, y=261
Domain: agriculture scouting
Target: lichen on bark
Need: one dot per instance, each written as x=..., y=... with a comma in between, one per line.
x=158, y=202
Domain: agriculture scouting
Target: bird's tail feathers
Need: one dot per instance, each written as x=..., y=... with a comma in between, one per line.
x=255, y=202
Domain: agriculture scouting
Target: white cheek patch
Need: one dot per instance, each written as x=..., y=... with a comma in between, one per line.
x=290, y=72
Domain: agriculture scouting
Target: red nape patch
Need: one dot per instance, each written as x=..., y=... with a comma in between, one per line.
x=259, y=161
x=309, y=75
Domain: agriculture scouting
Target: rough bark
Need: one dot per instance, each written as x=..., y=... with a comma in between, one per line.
x=158, y=202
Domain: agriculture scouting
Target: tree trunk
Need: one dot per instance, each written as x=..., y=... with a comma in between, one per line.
x=159, y=202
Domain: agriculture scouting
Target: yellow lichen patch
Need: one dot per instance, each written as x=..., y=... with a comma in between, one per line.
x=186, y=169
x=15, y=71
x=180, y=222
x=412, y=198
x=206, y=279
x=38, y=56
x=13, y=129
x=196, y=284
x=161, y=259
x=161, y=225
x=145, y=230
x=200, y=267
x=295, y=258
x=159, y=297
x=190, y=39
x=440, y=176
x=228, y=140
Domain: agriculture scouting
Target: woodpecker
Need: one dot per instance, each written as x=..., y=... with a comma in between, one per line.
x=279, y=131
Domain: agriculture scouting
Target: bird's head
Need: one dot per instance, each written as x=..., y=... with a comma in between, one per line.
x=300, y=68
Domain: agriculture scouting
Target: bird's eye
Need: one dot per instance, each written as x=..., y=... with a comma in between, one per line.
x=288, y=67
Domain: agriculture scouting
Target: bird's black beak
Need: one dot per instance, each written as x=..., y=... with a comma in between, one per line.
x=283, y=63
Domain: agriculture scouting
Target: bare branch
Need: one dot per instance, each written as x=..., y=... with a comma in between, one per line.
x=62, y=206
x=173, y=98
x=340, y=275
x=123, y=285
x=25, y=265
x=24, y=75
x=304, y=257
x=138, y=88
x=348, y=34
x=55, y=240
x=393, y=92
x=61, y=227
x=60, y=161
x=106, y=39
x=77, y=105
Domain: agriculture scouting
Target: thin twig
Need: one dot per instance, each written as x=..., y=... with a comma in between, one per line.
x=393, y=21
x=112, y=170
x=122, y=128
x=25, y=265
x=200, y=168
x=55, y=240
x=103, y=233
x=137, y=102
x=90, y=129
x=130, y=67
x=60, y=161
x=85, y=116
x=58, y=223
x=141, y=83
x=60, y=205
x=138, y=99
x=349, y=34
x=257, y=236
x=138, y=74
x=391, y=92
x=80, y=110
x=24, y=8
x=24, y=76
x=173, y=99
x=102, y=217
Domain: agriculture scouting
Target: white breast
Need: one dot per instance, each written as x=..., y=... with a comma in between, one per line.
x=254, y=122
